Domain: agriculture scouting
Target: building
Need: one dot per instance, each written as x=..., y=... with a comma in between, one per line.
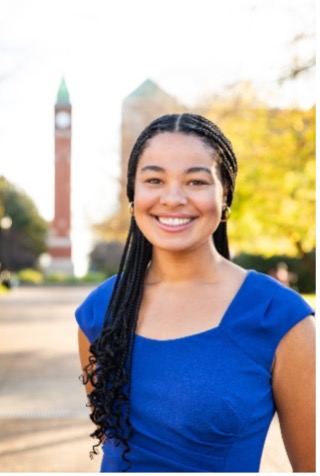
x=147, y=102
x=59, y=242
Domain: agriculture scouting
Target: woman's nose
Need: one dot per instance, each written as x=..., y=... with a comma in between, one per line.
x=173, y=196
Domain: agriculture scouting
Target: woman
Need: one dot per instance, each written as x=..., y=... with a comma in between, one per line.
x=191, y=355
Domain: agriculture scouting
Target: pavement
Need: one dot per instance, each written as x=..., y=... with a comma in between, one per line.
x=44, y=423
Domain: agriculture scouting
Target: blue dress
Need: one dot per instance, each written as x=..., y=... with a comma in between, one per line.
x=203, y=403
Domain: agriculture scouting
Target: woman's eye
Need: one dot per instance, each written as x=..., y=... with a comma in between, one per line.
x=153, y=181
x=197, y=183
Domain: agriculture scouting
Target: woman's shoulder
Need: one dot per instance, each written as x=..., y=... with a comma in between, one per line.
x=283, y=297
x=102, y=291
x=262, y=313
x=260, y=288
x=91, y=312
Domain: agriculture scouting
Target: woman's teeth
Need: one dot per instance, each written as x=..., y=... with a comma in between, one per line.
x=174, y=221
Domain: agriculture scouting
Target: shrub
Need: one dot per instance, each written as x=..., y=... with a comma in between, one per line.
x=30, y=276
x=301, y=270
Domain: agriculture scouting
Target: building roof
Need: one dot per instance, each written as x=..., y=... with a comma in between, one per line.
x=63, y=96
x=147, y=88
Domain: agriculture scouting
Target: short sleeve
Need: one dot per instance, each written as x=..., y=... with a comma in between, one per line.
x=91, y=313
x=290, y=308
x=263, y=313
x=286, y=308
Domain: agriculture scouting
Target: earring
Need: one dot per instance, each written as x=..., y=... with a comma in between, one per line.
x=226, y=212
x=130, y=208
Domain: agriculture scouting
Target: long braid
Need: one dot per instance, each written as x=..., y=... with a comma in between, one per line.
x=109, y=367
x=213, y=136
x=220, y=239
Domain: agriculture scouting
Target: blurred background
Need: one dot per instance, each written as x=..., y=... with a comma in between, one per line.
x=79, y=79
x=248, y=65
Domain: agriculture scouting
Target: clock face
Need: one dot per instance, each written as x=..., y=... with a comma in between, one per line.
x=63, y=119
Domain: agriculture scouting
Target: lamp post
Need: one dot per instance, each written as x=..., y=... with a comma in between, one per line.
x=5, y=225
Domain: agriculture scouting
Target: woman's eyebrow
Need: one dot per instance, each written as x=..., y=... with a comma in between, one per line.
x=191, y=170
x=155, y=168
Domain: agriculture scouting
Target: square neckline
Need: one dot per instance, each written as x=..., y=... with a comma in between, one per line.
x=214, y=329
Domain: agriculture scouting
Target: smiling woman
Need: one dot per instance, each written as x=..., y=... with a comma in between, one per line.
x=186, y=356
x=178, y=205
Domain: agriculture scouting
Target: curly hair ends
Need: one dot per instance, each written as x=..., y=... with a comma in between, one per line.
x=109, y=367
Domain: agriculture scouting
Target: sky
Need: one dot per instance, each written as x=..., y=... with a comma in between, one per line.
x=105, y=49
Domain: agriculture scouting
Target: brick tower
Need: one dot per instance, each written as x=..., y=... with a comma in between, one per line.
x=59, y=243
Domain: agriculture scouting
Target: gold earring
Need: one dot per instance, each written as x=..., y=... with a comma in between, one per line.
x=226, y=212
x=130, y=208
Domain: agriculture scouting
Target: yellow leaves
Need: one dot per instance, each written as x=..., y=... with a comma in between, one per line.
x=290, y=181
x=274, y=205
x=298, y=124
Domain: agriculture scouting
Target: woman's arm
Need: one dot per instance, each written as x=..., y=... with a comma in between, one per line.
x=294, y=393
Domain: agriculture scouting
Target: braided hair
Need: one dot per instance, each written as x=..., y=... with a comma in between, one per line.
x=110, y=361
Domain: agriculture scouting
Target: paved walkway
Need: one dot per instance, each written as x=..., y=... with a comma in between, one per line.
x=44, y=424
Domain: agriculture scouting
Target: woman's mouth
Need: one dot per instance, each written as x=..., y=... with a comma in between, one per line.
x=174, y=224
x=174, y=221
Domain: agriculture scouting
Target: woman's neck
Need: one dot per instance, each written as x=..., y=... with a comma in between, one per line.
x=202, y=264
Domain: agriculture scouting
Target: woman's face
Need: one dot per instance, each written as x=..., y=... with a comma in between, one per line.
x=178, y=194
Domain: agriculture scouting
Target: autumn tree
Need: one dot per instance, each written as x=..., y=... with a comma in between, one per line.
x=274, y=205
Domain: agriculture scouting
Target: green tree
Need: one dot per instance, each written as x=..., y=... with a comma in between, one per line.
x=28, y=231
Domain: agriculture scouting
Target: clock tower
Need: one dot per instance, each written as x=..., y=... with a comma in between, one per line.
x=59, y=243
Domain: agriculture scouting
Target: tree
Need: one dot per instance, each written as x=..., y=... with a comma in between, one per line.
x=105, y=257
x=300, y=64
x=274, y=206
x=28, y=231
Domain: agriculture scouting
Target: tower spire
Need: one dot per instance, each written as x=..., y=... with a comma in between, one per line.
x=63, y=96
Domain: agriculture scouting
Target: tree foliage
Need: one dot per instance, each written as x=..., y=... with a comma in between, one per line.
x=274, y=206
x=28, y=231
